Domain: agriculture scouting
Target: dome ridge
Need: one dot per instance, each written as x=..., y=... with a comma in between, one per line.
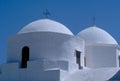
x=45, y=25
x=96, y=35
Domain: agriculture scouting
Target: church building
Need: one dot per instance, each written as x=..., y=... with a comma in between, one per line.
x=46, y=50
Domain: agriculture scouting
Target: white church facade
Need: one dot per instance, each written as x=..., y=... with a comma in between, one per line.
x=46, y=50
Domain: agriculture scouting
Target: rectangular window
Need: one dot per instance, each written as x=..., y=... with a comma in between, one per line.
x=84, y=61
x=119, y=60
x=78, y=59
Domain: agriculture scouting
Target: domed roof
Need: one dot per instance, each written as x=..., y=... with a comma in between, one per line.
x=96, y=35
x=45, y=25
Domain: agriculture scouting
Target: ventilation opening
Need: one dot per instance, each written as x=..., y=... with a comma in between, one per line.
x=78, y=59
x=25, y=57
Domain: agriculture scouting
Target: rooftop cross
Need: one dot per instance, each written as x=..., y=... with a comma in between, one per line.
x=46, y=13
x=94, y=21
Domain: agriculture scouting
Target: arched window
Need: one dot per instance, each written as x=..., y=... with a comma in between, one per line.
x=25, y=57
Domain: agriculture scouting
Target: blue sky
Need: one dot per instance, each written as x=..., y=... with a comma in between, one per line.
x=75, y=14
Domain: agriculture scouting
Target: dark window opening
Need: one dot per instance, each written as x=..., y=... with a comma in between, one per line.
x=25, y=57
x=119, y=60
x=78, y=59
x=84, y=61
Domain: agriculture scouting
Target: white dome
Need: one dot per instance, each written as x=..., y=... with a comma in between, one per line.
x=46, y=25
x=96, y=35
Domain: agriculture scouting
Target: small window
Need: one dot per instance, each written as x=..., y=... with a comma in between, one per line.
x=25, y=57
x=78, y=59
x=119, y=60
x=84, y=61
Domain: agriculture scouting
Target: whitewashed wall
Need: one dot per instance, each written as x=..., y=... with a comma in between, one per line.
x=101, y=55
x=46, y=45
